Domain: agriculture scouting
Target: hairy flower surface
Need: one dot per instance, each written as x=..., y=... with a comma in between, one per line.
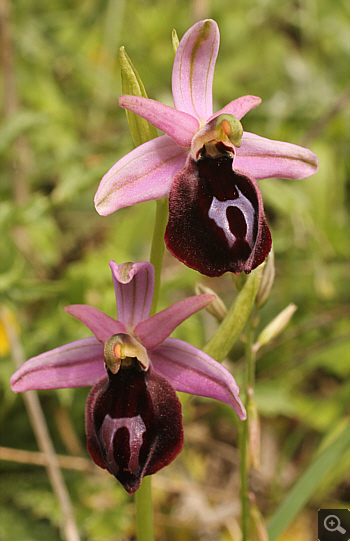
x=133, y=416
x=206, y=164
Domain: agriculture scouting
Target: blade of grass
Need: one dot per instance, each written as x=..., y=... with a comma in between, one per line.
x=307, y=485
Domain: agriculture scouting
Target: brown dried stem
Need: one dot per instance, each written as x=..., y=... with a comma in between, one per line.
x=38, y=458
x=42, y=435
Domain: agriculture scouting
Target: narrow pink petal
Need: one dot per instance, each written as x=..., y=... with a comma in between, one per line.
x=264, y=158
x=180, y=126
x=134, y=285
x=98, y=322
x=192, y=371
x=153, y=331
x=239, y=107
x=77, y=364
x=144, y=174
x=193, y=70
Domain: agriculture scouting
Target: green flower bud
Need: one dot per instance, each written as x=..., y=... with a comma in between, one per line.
x=217, y=308
x=275, y=327
x=267, y=280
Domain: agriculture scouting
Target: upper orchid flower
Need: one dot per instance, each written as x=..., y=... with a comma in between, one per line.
x=133, y=416
x=206, y=164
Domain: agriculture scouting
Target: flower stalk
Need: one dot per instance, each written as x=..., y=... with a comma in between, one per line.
x=143, y=496
x=144, y=511
x=244, y=439
x=244, y=480
x=158, y=247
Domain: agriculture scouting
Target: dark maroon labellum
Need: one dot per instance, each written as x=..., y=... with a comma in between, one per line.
x=133, y=424
x=216, y=217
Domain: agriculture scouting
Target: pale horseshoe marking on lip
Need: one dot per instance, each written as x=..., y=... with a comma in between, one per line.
x=136, y=427
x=218, y=213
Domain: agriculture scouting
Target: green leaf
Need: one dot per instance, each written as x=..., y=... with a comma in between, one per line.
x=141, y=130
x=307, y=484
x=220, y=345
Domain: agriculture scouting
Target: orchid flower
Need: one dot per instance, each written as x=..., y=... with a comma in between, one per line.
x=206, y=164
x=133, y=416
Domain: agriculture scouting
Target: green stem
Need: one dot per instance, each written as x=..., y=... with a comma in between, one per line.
x=143, y=496
x=250, y=380
x=250, y=356
x=144, y=511
x=157, y=248
x=244, y=479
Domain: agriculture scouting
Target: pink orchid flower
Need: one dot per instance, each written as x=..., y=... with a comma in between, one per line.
x=206, y=164
x=133, y=416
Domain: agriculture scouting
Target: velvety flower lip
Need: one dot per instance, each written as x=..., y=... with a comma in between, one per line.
x=185, y=164
x=133, y=425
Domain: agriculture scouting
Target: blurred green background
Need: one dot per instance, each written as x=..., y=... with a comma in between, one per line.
x=61, y=130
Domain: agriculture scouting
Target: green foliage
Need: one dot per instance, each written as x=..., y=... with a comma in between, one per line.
x=61, y=130
x=308, y=483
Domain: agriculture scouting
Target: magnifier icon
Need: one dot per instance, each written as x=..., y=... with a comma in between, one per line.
x=332, y=524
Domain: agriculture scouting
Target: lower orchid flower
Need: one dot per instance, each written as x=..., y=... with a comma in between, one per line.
x=206, y=164
x=133, y=416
